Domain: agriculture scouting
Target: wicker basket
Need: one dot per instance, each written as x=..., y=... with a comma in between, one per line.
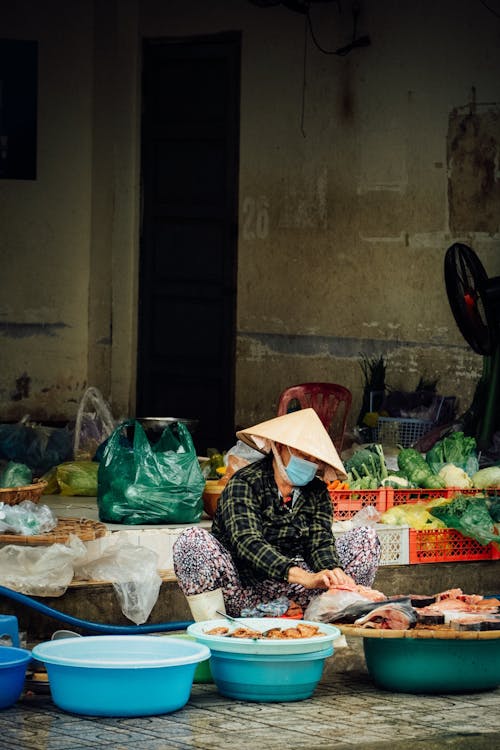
x=85, y=529
x=15, y=495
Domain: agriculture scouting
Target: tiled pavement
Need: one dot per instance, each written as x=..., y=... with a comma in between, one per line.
x=346, y=711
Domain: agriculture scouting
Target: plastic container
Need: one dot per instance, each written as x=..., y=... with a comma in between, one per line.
x=398, y=431
x=268, y=677
x=394, y=544
x=120, y=675
x=446, y=545
x=262, y=645
x=266, y=670
x=415, y=665
x=202, y=673
x=414, y=495
x=346, y=503
x=13, y=664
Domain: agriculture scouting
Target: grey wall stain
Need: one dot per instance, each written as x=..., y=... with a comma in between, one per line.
x=23, y=383
x=473, y=151
x=24, y=330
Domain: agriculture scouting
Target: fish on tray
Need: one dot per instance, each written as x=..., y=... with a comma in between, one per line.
x=389, y=616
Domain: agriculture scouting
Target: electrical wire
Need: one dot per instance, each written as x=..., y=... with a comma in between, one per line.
x=304, y=85
x=362, y=41
x=494, y=12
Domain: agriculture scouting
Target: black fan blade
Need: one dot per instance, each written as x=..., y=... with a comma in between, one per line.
x=467, y=287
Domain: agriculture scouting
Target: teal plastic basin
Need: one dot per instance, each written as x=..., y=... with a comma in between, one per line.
x=108, y=675
x=432, y=665
x=268, y=677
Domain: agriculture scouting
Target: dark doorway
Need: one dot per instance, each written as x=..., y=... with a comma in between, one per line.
x=187, y=287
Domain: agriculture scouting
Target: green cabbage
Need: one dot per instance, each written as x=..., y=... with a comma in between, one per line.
x=489, y=477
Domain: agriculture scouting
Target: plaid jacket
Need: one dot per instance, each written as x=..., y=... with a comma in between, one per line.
x=265, y=536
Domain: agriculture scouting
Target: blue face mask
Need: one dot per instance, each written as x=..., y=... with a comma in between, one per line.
x=300, y=471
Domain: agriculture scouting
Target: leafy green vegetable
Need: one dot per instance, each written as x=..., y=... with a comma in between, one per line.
x=453, y=449
x=366, y=468
x=417, y=470
x=489, y=477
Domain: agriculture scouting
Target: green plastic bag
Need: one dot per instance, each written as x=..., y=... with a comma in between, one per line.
x=15, y=475
x=470, y=516
x=140, y=483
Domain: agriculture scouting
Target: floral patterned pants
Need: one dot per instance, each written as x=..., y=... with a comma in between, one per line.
x=201, y=564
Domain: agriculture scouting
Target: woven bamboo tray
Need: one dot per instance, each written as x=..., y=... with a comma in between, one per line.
x=83, y=528
x=445, y=634
x=15, y=495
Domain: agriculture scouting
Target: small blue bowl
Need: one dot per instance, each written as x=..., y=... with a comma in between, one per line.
x=268, y=677
x=120, y=675
x=13, y=664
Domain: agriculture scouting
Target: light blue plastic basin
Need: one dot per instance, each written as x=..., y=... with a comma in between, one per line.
x=108, y=675
x=13, y=664
x=268, y=678
x=433, y=665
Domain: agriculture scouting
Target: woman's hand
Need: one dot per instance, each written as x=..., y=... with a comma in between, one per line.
x=324, y=579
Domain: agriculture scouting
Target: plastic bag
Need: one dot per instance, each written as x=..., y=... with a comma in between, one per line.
x=367, y=516
x=38, y=447
x=333, y=605
x=40, y=571
x=94, y=424
x=73, y=478
x=414, y=515
x=133, y=571
x=15, y=475
x=470, y=516
x=240, y=455
x=26, y=518
x=143, y=483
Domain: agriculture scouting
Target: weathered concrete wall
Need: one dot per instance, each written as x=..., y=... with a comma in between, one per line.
x=45, y=236
x=356, y=174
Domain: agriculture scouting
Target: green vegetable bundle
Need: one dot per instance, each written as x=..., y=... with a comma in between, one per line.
x=366, y=469
x=456, y=449
x=417, y=470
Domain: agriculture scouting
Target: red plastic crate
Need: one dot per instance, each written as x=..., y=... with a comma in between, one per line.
x=446, y=545
x=414, y=495
x=346, y=503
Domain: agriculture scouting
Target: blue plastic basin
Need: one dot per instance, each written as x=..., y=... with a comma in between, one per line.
x=268, y=678
x=429, y=665
x=108, y=675
x=13, y=664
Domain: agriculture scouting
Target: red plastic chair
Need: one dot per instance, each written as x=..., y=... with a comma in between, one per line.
x=330, y=401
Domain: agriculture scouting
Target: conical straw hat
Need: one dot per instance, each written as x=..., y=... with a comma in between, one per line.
x=302, y=430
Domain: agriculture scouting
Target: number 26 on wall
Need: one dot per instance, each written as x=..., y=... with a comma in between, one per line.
x=255, y=218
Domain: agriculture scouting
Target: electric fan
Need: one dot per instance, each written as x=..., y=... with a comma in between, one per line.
x=475, y=303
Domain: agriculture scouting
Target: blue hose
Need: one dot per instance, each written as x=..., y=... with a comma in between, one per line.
x=93, y=627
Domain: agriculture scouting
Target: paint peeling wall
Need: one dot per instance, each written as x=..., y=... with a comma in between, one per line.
x=356, y=174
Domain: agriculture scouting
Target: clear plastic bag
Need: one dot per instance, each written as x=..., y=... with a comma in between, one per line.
x=133, y=571
x=40, y=571
x=94, y=424
x=26, y=518
x=367, y=516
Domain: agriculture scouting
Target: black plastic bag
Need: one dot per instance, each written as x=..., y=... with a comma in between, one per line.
x=143, y=483
x=37, y=446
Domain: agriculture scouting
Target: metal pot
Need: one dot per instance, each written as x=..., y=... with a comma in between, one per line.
x=158, y=424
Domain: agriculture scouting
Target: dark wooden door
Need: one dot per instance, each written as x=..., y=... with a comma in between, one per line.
x=187, y=287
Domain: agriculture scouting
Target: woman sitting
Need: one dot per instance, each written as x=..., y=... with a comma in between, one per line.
x=271, y=535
